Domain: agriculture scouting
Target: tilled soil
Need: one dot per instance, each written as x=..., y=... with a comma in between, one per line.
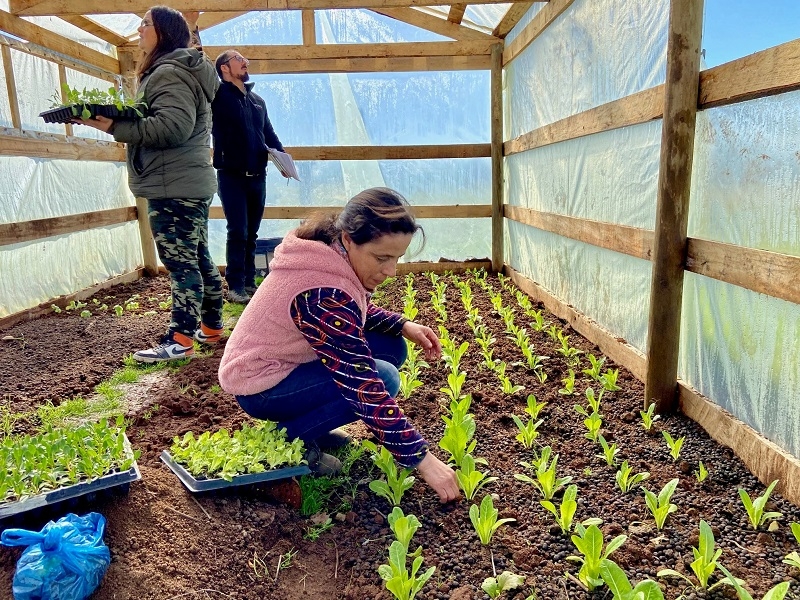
x=167, y=543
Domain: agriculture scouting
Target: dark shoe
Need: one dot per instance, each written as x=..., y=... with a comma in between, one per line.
x=250, y=290
x=334, y=439
x=173, y=346
x=238, y=296
x=321, y=463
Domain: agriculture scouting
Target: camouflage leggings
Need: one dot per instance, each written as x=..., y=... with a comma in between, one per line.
x=180, y=229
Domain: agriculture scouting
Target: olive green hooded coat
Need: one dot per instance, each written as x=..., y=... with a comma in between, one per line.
x=168, y=150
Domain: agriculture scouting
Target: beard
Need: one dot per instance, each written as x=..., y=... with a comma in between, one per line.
x=243, y=77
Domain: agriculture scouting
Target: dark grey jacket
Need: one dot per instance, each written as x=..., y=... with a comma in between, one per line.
x=168, y=150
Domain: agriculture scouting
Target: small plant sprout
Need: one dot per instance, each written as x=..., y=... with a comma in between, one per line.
x=597, y=364
x=625, y=481
x=621, y=587
x=776, y=593
x=118, y=310
x=565, y=513
x=610, y=451
x=755, y=508
x=593, y=424
x=508, y=387
x=705, y=561
x=792, y=559
x=528, y=432
x=534, y=407
x=649, y=416
x=546, y=481
x=85, y=314
x=504, y=582
x=589, y=542
x=402, y=584
x=469, y=479
x=455, y=381
x=56, y=308
x=674, y=445
x=702, y=473
x=540, y=375
x=484, y=519
x=408, y=383
x=397, y=481
x=660, y=505
x=609, y=380
x=403, y=526
x=569, y=384
x=538, y=323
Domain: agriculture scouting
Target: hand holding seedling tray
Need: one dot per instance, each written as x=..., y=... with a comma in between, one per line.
x=73, y=104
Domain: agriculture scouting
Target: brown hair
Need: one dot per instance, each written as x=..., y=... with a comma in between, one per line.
x=367, y=216
x=172, y=31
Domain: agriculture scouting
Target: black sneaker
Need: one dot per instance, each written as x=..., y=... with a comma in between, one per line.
x=321, y=463
x=250, y=290
x=238, y=296
x=333, y=439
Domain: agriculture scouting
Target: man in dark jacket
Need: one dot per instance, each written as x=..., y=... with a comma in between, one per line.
x=242, y=133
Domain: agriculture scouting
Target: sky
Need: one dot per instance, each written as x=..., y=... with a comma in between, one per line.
x=736, y=28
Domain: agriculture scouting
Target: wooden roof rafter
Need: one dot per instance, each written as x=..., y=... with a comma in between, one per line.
x=429, y=22
x=96, y=29
x=456, y=13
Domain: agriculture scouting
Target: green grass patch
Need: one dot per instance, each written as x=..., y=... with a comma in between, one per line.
x=337, y=493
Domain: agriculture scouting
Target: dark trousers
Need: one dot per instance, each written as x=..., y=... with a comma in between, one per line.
x=180, y=230
x=308, y=402
x=243, y=200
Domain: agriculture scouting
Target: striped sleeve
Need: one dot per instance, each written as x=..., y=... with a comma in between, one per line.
x=383, y=321
x=330, y=320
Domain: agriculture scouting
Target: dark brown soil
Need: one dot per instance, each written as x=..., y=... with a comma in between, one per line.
x=168, y=544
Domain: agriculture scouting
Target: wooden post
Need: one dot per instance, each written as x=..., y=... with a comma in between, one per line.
x=11, y=85
x=497, y=157
x=309, y=28
x=127, y=67
x=62, y=80
x=146, y=234
x=674, y=183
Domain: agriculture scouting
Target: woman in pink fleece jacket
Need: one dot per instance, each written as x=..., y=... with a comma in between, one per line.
x=311, y=352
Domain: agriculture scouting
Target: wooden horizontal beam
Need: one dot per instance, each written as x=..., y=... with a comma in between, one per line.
x=532, y=30
x=54, y=57
x=435, y=24
x=43, y=37
x=447, y=211
x=333, y=51
x=771, y=71
x=16, y=233
x=765, y=459
x=14, y=142
x=611, y=345
x=45, y=308
x=372, y=65
x=88, y=7
x=442, y=266
x=619, y=238
x=96, y=29
x=511, y=18
x=762, y=271
x=641, y=107
x=389, y=152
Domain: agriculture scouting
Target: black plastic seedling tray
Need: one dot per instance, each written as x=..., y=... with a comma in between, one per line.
x=73, y=491
x=205, y=485
x=67, y=113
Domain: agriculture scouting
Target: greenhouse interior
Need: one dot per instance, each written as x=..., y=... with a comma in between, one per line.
x=610, y=197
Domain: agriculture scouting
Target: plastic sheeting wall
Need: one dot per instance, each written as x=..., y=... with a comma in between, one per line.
x=597, y=51
x=738, y=347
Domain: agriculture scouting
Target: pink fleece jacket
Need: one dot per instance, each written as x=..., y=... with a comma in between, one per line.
x=266, y=345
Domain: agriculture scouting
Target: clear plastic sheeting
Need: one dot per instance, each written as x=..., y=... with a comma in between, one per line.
x=740, y=349
x=534, y=10
x=365, y=26
x=599, y=283
x=36, y=272
x=486, y=16
x=262, y=27
x=74, y=33
x=123, y=24
x=595, y=52
x=746, y=174
x=610, y=177
x=37, y=80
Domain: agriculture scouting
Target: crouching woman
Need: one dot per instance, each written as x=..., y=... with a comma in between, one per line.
x=311, y=351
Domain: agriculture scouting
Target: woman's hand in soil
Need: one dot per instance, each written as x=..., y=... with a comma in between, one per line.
x=440, y=477
x=425, y=337
x=99, y=122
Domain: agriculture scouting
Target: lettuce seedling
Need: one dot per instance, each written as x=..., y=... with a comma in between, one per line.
x=674, y=445
x=589, y=542
x=397, y=482
x=508, y=387
x=403, y=526
x=528, y=432
x=660, y=505
x=534, y=407
x=793, y=558
x=538, y=322
x=594, y=371
x=455, y=381
x=648, y=417
x=755, y=508
x=504, y=582
x=617, y=581
x=705, y=561
x=569, y=384
x=566, y=511
x=469, y=479
x=457, y=439
x=546, y=481
x=484, y=519
x=593, y=424
x=540, y=375
x=609, y=380
x=610, y=451
x=625, y=481
x=408, y=383
x=402, y=584
x=776, y=593
x=796, y=531
x=702, y=473
x=533, y=361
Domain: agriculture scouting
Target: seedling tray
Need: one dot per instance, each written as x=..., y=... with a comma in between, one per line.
x=205, y=485
x=66, y=114
x=73, y=491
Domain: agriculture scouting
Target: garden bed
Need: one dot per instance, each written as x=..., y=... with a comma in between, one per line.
x=165, y=543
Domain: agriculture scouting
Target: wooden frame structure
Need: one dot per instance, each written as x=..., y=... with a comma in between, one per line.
x=687, y=90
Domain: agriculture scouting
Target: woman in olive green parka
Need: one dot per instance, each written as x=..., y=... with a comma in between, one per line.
x=169, y=164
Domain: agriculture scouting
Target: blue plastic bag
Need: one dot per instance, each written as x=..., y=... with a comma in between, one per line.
x=65, y=561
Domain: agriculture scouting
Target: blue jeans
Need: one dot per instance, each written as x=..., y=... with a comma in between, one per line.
x=243, y=200
x=308, y=402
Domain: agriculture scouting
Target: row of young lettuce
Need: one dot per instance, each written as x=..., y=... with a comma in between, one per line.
x=58, y=457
